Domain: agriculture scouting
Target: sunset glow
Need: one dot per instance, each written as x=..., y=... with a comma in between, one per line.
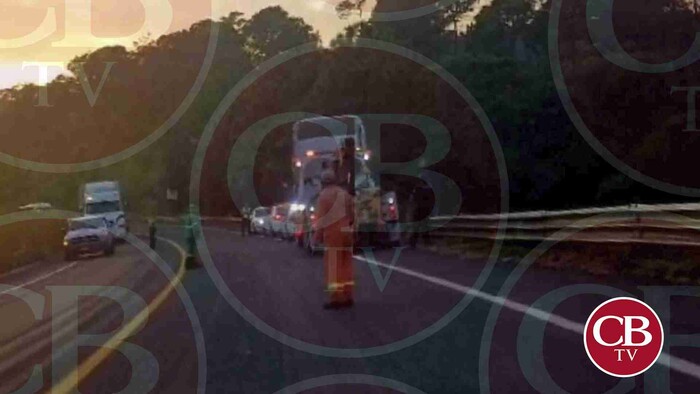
x=50, y=31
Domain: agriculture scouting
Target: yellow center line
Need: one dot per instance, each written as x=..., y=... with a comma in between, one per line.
x=70, y=383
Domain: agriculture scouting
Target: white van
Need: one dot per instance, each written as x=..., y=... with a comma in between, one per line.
x=105, y=199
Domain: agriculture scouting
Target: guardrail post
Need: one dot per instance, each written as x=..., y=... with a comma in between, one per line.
x=640, y=229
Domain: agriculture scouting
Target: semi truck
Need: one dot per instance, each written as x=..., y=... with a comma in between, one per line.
x=318, y=143
x=105, y=199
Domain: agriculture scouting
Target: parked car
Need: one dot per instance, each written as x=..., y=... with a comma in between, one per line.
x=260, y=220
x=279, y=222
x=88, y=235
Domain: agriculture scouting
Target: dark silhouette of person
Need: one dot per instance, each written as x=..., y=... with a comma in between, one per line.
x=346, y=166
x=421, y=202
x=245, y=221
x=152, y=233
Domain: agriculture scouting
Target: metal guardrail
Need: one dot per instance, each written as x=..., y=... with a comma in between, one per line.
x=661, y=224
x=227, y=219
x=656, y=224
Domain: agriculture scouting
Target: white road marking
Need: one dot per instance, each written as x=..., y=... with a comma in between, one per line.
x=18, y=270
x=39, y=279
x=674, y=363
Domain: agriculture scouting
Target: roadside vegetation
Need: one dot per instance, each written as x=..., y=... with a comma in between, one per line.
x=30, y=241
x=642, y=264
x=499, y=53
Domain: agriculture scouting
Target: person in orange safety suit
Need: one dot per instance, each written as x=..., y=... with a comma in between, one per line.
x=334, y=228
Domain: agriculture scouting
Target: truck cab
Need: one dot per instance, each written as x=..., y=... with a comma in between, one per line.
x=105, y=199
x=317, y=142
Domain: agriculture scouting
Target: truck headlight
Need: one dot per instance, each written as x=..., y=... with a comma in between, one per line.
x=298, y=207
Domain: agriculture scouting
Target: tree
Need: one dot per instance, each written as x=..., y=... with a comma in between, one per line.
x=235, y=20
x=273, y=30
x=500, y=24
x=346, y=7
x=455, y=12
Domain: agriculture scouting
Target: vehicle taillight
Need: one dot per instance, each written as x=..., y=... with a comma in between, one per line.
x=278, y=217
x=310, y=153
x=313, y=216
x=392, y=214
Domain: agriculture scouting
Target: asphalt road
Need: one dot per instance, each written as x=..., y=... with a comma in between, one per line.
x=43, y=338
x=252, y=321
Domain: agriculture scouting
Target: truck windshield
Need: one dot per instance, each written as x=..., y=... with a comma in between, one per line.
x=309, y=130
x=260, y=212
x=321, y=127
x=102, y=207
x=85, y=224
x=101, y=187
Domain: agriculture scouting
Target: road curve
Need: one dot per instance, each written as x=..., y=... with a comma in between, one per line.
x=39, y=341
x=268, y=331
x=259, y=304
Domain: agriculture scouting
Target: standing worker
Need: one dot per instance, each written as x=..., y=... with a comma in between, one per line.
x=346, y=166
x=335, y=230
x=421, y=202
x=152, y=233
x=245, y=221
x=191, y=229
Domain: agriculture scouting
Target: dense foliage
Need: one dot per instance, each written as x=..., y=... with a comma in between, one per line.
x=501, y=57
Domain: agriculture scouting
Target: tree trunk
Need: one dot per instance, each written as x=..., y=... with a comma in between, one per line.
x=456, y=37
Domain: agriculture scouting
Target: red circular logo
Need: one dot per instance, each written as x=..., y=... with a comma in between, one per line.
x=623, y=337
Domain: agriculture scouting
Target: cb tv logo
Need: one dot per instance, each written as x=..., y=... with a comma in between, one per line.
x=623, y=337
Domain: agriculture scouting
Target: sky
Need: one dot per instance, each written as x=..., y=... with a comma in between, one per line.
x=38, y=37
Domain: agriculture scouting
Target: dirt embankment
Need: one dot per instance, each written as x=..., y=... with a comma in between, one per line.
x=30, y=241
x=646, y=263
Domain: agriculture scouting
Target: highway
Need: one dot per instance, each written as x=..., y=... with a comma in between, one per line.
x=434, y=324
x=42, y=320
